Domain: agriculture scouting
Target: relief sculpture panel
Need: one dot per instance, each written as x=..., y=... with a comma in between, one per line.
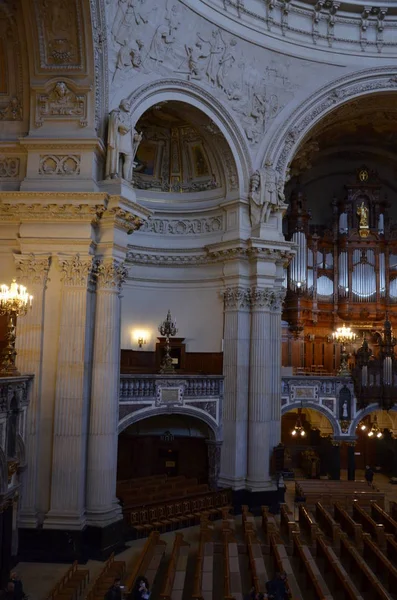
x=147, y=37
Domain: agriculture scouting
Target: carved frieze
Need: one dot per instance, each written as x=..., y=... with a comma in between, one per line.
x=61, y=34
x=61, y=103
x=12, y=111
x=9, y=167
x=125, y=220
x=64, y=164
x=184, y=226
x=50, y=212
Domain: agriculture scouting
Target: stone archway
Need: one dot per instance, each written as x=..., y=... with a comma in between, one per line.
x=237, y=150
x=318, y=408
x=279, y=149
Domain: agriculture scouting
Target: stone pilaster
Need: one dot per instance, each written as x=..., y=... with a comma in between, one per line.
x=72, y=396
x=102, y=505
x=32, y=271
x=214, y=462
x=264, y=385
x=235, y=369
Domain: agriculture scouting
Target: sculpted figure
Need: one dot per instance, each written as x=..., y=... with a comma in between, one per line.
x=362, y=212
x=123, y=142
x=266, y=194
x=256, y=198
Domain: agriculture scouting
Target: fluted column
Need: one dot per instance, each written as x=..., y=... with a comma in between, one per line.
x=72, y=396
x=264, y=420
x=32, y=271
x=102, y=505
x=235, y=403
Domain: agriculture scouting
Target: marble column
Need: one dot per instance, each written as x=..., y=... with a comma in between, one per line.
x=235, y=403
x=264, y=416
x=351, y=461
x=102, y=505
x=214, y=462
x=32, y=271
x=73, y=376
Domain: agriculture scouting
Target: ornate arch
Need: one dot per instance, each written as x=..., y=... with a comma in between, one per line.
x=285, y=140
x=181, y=91
x=317, y=407
x=140, y=415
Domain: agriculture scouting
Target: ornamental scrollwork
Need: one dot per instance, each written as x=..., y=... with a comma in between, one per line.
x=76, y=271
x=31, y=269
x=110, y=274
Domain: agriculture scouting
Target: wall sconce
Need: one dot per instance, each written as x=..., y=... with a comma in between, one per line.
x=141, y=342
x=140, y=337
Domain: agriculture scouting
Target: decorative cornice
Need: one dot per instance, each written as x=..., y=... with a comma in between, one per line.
x=124, y=219
x=74, y=271
x=31, y=269
x=110, y=274
x=197, y=226
x=45, y=212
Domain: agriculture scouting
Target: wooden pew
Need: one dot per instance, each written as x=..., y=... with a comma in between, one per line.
x=203, y=583
x=381, y=516
x=342, y=580
x=232, y=587
x=383, y=566
x=307, y=523
x=269, y=523
x=393, y=509
x=369, y=525
x=257, y=564
x=348, y=525
x=351, y=559
x=344, y=492
x=176, y=571
x=327, y=524
x=71, y=584
x=111, y=569
x=148, y=561
x=287, y=522
x=282, y=564
x=313, y=576
x=391, y=547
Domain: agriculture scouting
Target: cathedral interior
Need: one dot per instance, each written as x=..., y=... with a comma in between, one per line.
x=198, y=301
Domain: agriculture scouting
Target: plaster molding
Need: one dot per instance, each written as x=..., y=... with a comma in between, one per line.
x=51, y=212
x=61, y=164
x=9, y=167
x=191, y=227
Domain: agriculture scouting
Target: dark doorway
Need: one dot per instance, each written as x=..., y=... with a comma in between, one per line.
x=169, y=460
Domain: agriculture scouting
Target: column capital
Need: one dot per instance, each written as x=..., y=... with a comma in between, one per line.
x=110, y=274
x=236, y=298
x=75, y=272
x=32, y=268
x=267, y=298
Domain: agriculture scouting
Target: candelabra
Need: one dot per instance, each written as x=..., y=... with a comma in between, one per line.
x=168, y=329
x=14, y=302
x=343, y=335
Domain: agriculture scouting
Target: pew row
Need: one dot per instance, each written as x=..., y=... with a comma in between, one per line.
x=282, y=564
x=313, y=576
x=176, y=571
x=71, y=584
x=232, y=577
x=111, y=569
x=342, y=580
x=148, y=561
x=204, y=573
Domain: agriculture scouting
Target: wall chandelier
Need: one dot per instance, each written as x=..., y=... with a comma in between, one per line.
x=344, y=335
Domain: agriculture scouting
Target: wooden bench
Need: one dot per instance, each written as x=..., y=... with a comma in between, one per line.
x=381, y=516
x=348, y=525
x=71, y=585
x=327, y=524
x=111, y=570
x=391, y=547
x=314, y=578
x=367, y=580
x=176, y=571
x=257, y=564
x=369, y=525
x=232, y=577
x=204, y=573
x=343, y=583
x=383, y=567
x=282, y=564
x=343, y=492
x=148, y=561
x=269, y=523
x=307, y=523
x=287, y=522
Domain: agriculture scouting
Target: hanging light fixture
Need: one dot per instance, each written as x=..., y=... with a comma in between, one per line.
x=298, y=429
x=375, y=431
x=344, y=335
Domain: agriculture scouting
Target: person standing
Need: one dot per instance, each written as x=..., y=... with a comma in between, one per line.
x=114, y=592
x=369, y=475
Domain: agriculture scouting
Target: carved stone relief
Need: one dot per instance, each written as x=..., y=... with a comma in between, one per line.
x=9, y=167
x=184, y=226
x=266, y=195
x=65, y=164
x=147, y=36
x=12, y=111
x=61, y=103
x=61, y=36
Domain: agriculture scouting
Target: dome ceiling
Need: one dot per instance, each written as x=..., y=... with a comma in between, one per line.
x=181, y=150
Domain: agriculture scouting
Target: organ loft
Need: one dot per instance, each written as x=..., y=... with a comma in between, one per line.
x=344, y=272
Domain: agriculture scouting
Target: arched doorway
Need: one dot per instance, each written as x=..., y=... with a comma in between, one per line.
x=307, y=435
x=165, y=445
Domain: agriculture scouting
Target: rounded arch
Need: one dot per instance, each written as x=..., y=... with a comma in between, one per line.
x=216, y=433
x=321, y=409
x=169, y=90
x=288, y=132
x=361, y=414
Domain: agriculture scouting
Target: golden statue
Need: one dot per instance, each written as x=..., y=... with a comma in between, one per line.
x=362, y=212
